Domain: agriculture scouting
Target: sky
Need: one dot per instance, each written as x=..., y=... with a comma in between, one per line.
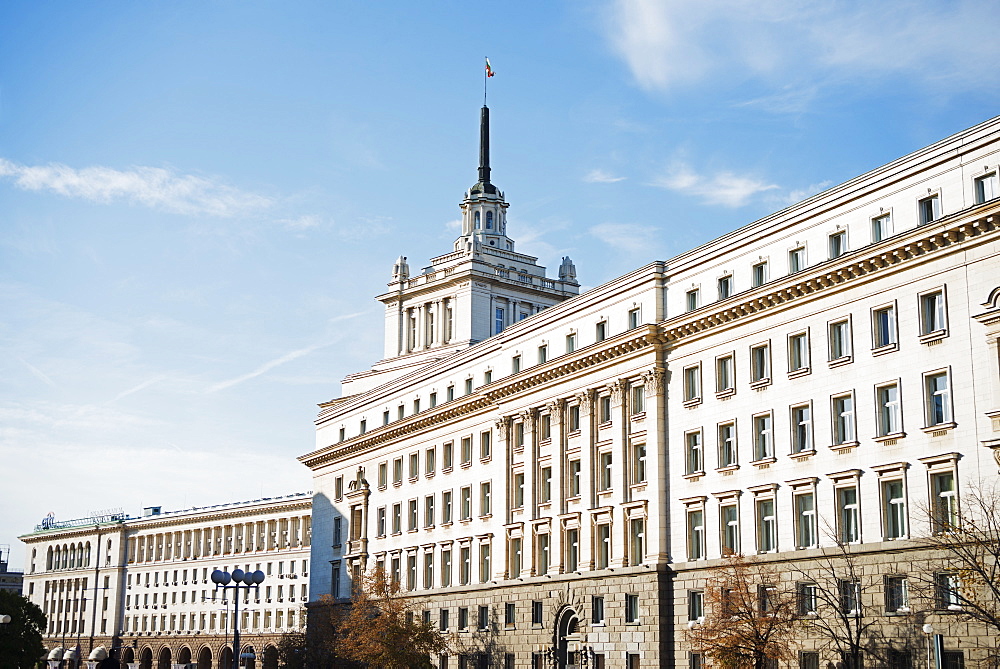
x=199, y=200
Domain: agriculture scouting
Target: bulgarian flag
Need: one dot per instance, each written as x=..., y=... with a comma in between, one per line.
x=489, y=70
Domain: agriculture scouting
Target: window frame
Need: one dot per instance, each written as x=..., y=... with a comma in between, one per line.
x=694, y=453
x=725, y=286
x=933, y=198
x=801, y=427
x=933, y=324
x=797, y=259
x=799, y=358
x=761, y=370
x=759, y=273
x=939, y=409
x=692, y=384
x=763, y=449
x=843, y=249
x=990, y=176
x=840, y=330
x=723, y=448
x=843, y=421
x=766, y=525
x=725, y=374
x=888, y=410
x=880, y=232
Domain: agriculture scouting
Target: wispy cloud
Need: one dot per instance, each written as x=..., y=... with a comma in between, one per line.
x=628, y=237
x=153, y=187
x=721, y=188
x=263, y=369
x=799, y=194
x=139, y=386
x=599, y=176
x=669, y=43
x=37, y=373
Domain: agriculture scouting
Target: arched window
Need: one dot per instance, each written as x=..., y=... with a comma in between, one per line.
x=477, y=220
x=86, y=562
x=48, y=559
x=489, y=220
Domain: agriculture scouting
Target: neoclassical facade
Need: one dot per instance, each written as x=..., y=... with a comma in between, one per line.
x=143, y=585
x=555, y=490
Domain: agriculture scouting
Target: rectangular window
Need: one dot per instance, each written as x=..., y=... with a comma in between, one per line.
x=463, y=618
x=696, y=661
x=604, y=471
x=411, y=572
x=848, y=515
x=840, y=340
x=763, y=446
x=543, y=354
x=729, y=519
x=574, y=418
x=944, y=502
x=337, y=532
x=725, y=377
x=692, y=383
x=631, y=608
x=536, y=613
x=603, y=541
x=637, y=541
x=446, y=506
x=638, y=463
x=633, y=319
x=487, y=377
x=381, y=523
x=897, y=594
x=597, y=610
x=465, y=565
x=695, y=457
x=542, y=561
x=485, y=444
x=890, y=420
x=443, y=622
x=806, y=535
x=894, y=509
x=447, y=457
x=838, y=244
x=570, y=343
x=545, y=485
x=601, y=331
x=696, y=604
x=414, y=465
x=881, y=228
x=509, y=614
x=843, y=419
x=411, y=515
x=416, y=406
x=515, y=557
x=605, y=408
x=638, y=397
x=929, y=209
x=574, y=476
x=485, y=499
x=445, y=567
x=727, y=445
x=725, y=287
x=385, y=417
x=850, y=597
x=383, y=474
x=468, y=386
x=450, y=393
x=802, y=429
x=796, y=260
x=433, y=400
x=466, y=503
x=498, y=320
x=692, y=299
x=807, y=595
x=466, y=450
x=932, y=312
x=428, y=575
x=545, y=427
x=429, y=461
x=696, y=534
x=518, y=490
x=759, y=273
x=572, y=550
x=484, y=563
x=948, y=592
x=397, y=518
x=515, y=364
x=429, y=511
x=987, y=188
x=767, y=526
x=937, y=397
x=760, y=363
x=798, y=352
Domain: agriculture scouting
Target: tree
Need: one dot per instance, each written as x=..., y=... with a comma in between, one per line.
x=292, y=650
x=749, y=619
x=383, y=628
x=21, y=638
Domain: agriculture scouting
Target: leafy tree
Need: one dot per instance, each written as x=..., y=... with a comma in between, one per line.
x=383, y=628
x=21, y=638
x=292, y=650
x=750, y=616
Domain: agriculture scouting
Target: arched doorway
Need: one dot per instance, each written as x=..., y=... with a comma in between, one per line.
x=248, y=657
x=146, y=658
x=270, y=659
x=128, y=655
x=163, y=661
x=225, y=657
x=567, y=639
x=205, y=658
x=184, y=656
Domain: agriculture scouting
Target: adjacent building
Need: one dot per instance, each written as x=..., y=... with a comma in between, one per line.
x=555, y=475
x=143, y=585
x=9, y=580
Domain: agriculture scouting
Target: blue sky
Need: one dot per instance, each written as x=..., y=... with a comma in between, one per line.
x=198, y=200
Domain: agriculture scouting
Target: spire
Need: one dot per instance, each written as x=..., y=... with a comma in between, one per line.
x=484, y=146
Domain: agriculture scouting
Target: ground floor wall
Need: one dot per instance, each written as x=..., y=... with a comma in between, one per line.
x=167, y=651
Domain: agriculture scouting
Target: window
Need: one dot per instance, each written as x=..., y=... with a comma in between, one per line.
x=484, y=563
x=487, y=378
x=938, y=399
x=519, y=435
x=463, y=618
x=414, y=465
x=767, y=526
x=838, y=244
x=443, y=620
x=380, y=524
x=383, y=474
x=802, y=429
x=545, y=427
x=468, y=386
x=429, y=511
x=597, y=610
x=929, y=209
x=411, y=515
x=760, y=363
x=638, y=404
x=727, y=445
x=518, y=490
x=796, y=260
x=465, y=565
x=631, y=608
x=798, y=352
x=944, y=502
x=808, y=598
x=574, y=478
x=902, y=659
x=897, y=594
x=932, y=313
x=416, y=406
x=385, y=417
x=638, y=463
x=542, y=554
x=397, y=518
x=763, y=446
x=466, y=502
x=696, y=534
x=570, y=343
x=987, y=188
x=509, y=614
x=948, y=591
x=759, y=273
x=445, y=567
x=485, y=499
x=411, y=572
x=603, y=540
x=574, y=418
x=485, y=444
x=515, y=364
x=840, y=340
x=428, y=575
x=692, y=383
x=545, y=485
x=536, y=613
x=696, y=604
x=543, y=354
x=447, y=458
x=633, y=319
x=446, y=506
x=890, y=419
x=848, y=515
x=696, y=661
x=894, y=509
x=572, y=549
x=515, y=557
x=850, y=597
x=363, y=427
x=808, y=660
x=692, y=299
x=725, y=286
x=604, y=473
x=605, y=409
x=694, y=462
x=466, y=450
x=337, y=532
x=433, y=399
x=881, y=228
x=806, y=535
x=843, y=419
x=601, y=331
x=725, y=380
x=498, y=320
x=729, y=518
x=429, y=461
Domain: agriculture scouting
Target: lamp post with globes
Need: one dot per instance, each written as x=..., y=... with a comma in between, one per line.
x=238, y=579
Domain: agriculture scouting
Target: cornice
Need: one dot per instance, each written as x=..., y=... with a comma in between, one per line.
x=944, y=235
x=60, y=534
x=143, y=524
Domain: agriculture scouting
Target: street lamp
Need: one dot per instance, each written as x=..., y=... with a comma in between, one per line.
x=239, y=579
x=928, y=629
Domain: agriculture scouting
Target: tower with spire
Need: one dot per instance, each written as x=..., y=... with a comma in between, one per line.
x=478, y=289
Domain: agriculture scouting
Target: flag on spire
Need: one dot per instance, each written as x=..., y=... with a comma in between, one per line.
x=489, y=70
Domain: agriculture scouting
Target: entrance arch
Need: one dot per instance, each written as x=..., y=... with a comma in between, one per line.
x=205, y=658
x=225, y=657
x=146, y=658
x=163, y=661
x=128, y=656
x=251, y=655
x=270, y=659
x=184, y=656
x=567, y=639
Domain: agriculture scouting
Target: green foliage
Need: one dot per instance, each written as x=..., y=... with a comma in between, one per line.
x=20, y=639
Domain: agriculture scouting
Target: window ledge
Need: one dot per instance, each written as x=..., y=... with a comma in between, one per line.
x=694, y=476
x=844, y=445
x=606, y=424
x=727, y=468
x=764, y=461
x=694, y=401
x=892, y=436
x=383, y=487
x=573, y=498
x=888, y=348
x=725, y=394
x=638, y=487
x=801, y=455
x=573, y=433
x=761, y=383
x=545, y=442
x=486, y=460
x=446, y=523
x=413, y=479
x=932, y=337
x=486, y=516
x=396, y=484
x=841, y=361
x=639, y=416
x=446, y=470
x=940, y=427
x=466, y=465
x=465, y=521
x=429, y=475
x=801, y=371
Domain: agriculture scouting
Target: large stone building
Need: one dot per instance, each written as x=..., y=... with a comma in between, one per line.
x=9, y=580
x=143, y=585
x=557, y=488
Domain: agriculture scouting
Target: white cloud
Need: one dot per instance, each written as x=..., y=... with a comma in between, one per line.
x=628, y=237
x=153, y=187
x=721, y=188
x=263, y=369
x=599, y=176
x=800, y=194
x=667, y=43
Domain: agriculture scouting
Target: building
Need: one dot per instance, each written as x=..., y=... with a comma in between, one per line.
x=143, y=585
x=9, y=580
x=556, y=489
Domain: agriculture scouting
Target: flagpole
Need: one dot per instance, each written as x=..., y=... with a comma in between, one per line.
x=485, y=76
